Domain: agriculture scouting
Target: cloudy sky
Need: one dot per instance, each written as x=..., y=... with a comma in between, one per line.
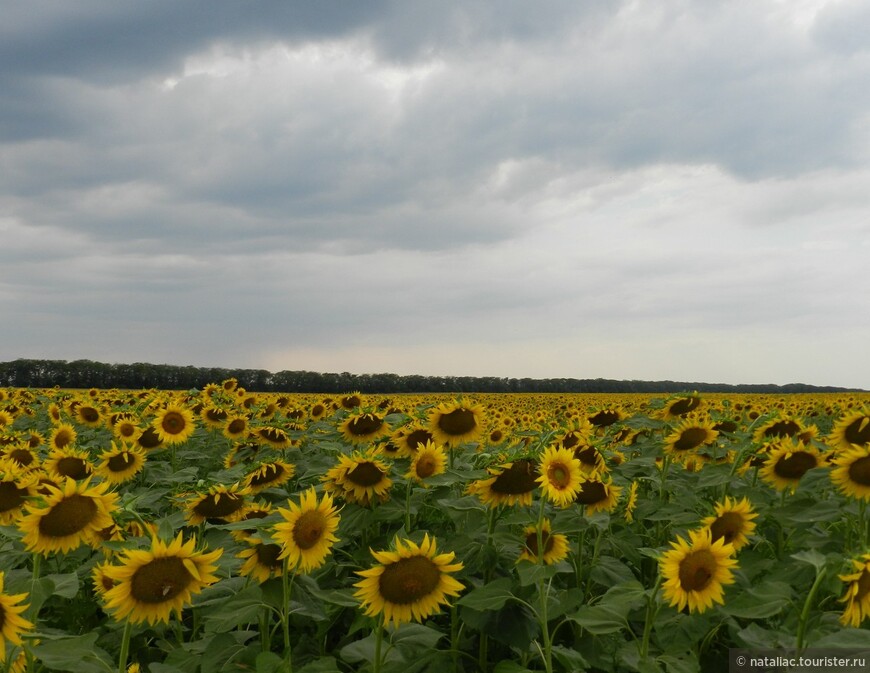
x=674, y=189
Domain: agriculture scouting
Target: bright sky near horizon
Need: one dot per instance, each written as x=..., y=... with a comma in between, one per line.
x=619, y=189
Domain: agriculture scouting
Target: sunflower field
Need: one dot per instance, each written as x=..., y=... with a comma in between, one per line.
x=224, y=530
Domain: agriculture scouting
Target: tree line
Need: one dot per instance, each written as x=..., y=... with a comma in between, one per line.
x=25, y=373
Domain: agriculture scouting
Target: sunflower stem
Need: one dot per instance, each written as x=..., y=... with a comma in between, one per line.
x=652, y=608
x=596, y=550
x=379, y=639
x=287, y=586
x=408, y=507
x=805, y=613
x=125, y=647
x=862, y=523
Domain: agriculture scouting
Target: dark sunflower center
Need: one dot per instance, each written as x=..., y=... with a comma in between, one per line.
x=604, y=418
x=216, y=415
x=696, y=570
x=570, y=440
x=684, y=406
x=173, y=423
x=21, y=456
x=350, y=401
x=859, y=471
x=309, y=529
x=409, y=580
x=237, y=426
x=365, y=425
x=519, y=478
x=267, y=474
x=62, y=439
x=591, y=493
x=11, y=496
x=219, y=505
x=417, y=438
x=425, y=466
x=496, y=436
x=267, y=555
x=858, y=431
x=318, y=410
x=782, y=429
x=160, y=580
x=728, y=526
x=89, y=414
x=273, y=435
x=587, y=456
x=69, y=516
x=366, y=474
x=532, y=542
x=725, y=426
x=75, y=468
x=690, y=438
x=120, y=462
x=126, y=429
x=863, y=585
x=559, y=475
x=149, y=439
x=457, y=422
x=795, y=466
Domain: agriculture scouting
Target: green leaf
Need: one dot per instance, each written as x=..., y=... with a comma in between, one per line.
x=682, y=663
x=812, y=557
x=610, y=613
x=765, y=600
x=571, y=660
x=844, y=638
x=66, y=585
x=490, y=596
x=364, y=650
x=508, y=666
x=321, y=665
x=610, y=571
x=243, y=608
x=79, y=654
x=411, y=636
x=268, y=662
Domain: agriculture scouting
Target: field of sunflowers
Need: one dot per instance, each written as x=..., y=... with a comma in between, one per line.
x=224, y=530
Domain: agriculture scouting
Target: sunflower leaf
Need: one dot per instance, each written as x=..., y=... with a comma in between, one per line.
x=79, y=654
x=490, y=596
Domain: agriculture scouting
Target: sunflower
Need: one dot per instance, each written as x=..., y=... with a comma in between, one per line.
x=126, y=430
x=308, y=531
x=6, y=419
x=71, y=515
x=857, y=596
x=351, y=401
x=359, y=478
x=851, y=473
x=16, y=486
x=560, y=475
x=269, y=475
x=151, y=584
x=12, y=625
x=69, y=462
x=555, y=544
x=214, y=417
x=102, y=582
x=149, y=440
x=851, y=430
x=513, y=483
x=88, y=415
x=456, y=422
x=235, y=426
x=598, y=494
x=409, y=583
x=606, y=417
x=789, y=460
x=689, y=436
x=428, y=461
x=590, y=458
x=631, y=502
x=694, y=572
x=410, y=438
x=262, y=560
x=120, y=463
x=221, y=504
x=272, y=436
x=63, y=436
x=174, y=424
x=363, y=427
x=776, y=429
x=679, y=406
x=733, y=522
x=24, y=456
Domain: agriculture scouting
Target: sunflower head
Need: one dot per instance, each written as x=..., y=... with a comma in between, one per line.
x=857, y=596
x=221, y=504
x=554, y=545
x=360, y=478
x=307, y=533
x=12, y=624
x=695, y=571
x=561, y=475
x=733, y=522
x=174, y=424
x=789, y=460
x=456, y=422
x=408, y=584
x=512, y=483
x=429, y=461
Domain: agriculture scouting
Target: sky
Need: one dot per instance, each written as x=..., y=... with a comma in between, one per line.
x=602, y=189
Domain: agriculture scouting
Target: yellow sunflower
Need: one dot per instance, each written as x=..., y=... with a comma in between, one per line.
x=689, y=436
x=631, y=502
x=408, y=439
x=221, y=504
x=262, y=560
x=120, y=463
x=851, y=473
x=561, y=475
x=68, y=462
x=308, y=531
x=428, y=461
x=555, y=544
x=850, y=430
x=695, y=571
x=269, y=475
x=776, y=429
x=25, y=456
x=456, y=422
x=512, y=483
x=272, y=436
x=360, y=478
x=408, y=584
x=363, y=427
x=62, y=437
x=681, y=405
x=733, y=522
x=12, y=624
x=16, y=486
x=789, y=460
x=235, y=427
x=174, y=424
x=88, y=415
x=151, y=584
x=598, y=494
x=71, y=515
x=214, y=417
x=857, y=596
x=126, y=430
